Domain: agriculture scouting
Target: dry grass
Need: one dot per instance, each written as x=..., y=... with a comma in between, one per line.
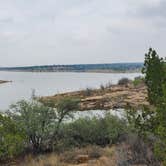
x=124, y=153
x=93, y=152
x=94, y=156
x=42, y=160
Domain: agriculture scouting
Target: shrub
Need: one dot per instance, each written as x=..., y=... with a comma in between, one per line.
x=108, y=85
x=12, y=139
x=136, y=151
x=97, y=131
x=102, y=87
x=41, y=123
x=138, y=81
x=141, y=121
x=123, y=81
x=37, y=121
x=88, y=92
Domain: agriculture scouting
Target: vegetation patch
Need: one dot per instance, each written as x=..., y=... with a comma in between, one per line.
x=40, y=128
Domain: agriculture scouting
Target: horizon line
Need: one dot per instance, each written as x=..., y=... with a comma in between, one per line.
x=70, y=64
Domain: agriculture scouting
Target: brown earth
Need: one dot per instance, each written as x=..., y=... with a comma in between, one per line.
x=113, y=97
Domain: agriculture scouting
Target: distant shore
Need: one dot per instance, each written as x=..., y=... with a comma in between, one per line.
x=75, y=71
x=87, y=68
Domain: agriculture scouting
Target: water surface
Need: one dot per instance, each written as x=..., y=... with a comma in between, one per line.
x=51, y=83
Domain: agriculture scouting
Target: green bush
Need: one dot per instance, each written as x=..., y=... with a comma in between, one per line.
x=36, y=120
x=40, y=122
x=98, y=131
x=138, y=81
x=123, y=81
x=12, y=139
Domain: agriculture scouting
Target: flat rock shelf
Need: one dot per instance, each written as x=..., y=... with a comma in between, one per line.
x=114, y=97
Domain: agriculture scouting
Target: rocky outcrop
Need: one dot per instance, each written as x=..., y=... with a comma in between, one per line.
x=116, y=96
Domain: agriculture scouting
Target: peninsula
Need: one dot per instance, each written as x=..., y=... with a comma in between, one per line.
x=105, y=98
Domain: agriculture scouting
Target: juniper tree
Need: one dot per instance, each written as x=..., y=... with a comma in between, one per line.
x=154, y=76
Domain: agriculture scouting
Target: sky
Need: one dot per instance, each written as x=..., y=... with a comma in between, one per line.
x=42, y=32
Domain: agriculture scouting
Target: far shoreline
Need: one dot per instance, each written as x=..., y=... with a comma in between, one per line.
x=67, y=71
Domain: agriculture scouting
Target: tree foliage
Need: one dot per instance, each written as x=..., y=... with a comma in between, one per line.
x=154, y=76
x=40, y=122
x=151, y=121
x=155, y=79
x=36, y=119
x=12, y=138
x=93, y=131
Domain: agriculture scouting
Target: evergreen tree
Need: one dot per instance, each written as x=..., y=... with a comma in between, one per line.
x=154, y=76
x=155, y=79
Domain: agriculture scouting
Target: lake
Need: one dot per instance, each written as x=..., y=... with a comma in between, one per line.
x=50, y=83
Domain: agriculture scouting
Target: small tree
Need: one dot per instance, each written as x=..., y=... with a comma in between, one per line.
x=40, y=122
x=35, y=119
x=65, y=108
x=154, y=74
x=160, y=146
x=155, y=79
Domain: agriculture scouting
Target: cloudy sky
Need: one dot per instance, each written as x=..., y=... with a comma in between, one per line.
x=36, y=32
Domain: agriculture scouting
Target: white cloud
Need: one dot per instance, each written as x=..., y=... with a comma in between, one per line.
x=89, y=31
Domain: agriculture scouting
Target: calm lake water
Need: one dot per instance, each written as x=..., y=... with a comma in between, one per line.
x=46, y=84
